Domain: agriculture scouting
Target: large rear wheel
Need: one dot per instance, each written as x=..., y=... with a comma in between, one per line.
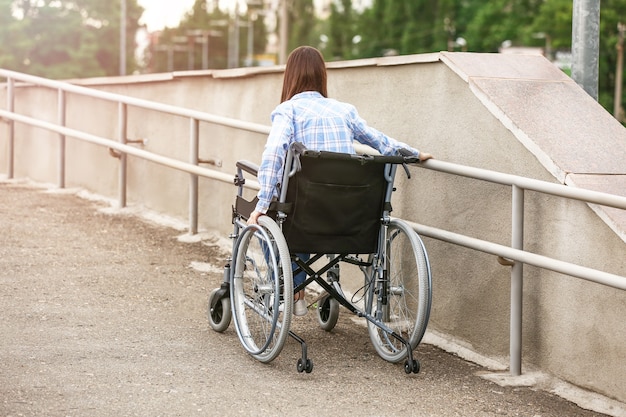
x=261, y=280
x=399, y=294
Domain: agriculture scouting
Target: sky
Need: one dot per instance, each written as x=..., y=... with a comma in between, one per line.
x=161, y=13
x=167, y=13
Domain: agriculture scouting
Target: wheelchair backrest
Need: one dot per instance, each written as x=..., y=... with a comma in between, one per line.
x=336, y=202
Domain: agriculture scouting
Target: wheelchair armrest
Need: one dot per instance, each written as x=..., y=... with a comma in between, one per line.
x=249, y=167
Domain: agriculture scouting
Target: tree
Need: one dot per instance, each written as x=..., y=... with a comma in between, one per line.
x=551, y=27
x=612, y=12
x=417, y=26
x=65, y=39
x=405, y=27
x=554, y=19
x=381, y=28
x=341, y=28
x=302, y=24
x=489, y=24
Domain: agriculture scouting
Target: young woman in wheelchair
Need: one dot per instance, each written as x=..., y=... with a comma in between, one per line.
x=308, y=116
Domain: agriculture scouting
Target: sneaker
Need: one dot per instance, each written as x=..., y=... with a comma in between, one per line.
x=300, y=308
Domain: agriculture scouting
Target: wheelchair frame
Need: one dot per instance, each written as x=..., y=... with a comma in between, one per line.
x=259, y=276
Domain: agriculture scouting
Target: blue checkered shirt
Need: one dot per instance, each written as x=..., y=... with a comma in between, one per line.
x=321, y=124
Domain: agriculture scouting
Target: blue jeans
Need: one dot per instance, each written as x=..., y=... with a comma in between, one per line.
x=300, y=277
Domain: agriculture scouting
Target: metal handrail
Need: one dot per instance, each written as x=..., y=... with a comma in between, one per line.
x=123, y=102
x=136, y=102
x=514, y=253
x=559, y=190
x=127, y=149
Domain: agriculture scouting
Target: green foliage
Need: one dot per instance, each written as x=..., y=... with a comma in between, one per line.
x=612, y=13
x=302, y=24
x=418, y=26
x=405, y=27
x=554, y=19
x=65, y=39
x=341, y=31
x=80, y=38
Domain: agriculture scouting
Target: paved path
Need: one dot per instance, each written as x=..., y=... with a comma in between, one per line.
x=102, y=315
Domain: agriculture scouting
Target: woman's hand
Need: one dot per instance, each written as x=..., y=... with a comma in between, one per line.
x=424, y=156
x=254, y=217
x=407, y=153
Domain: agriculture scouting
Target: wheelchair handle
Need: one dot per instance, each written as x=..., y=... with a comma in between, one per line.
x=249, y=167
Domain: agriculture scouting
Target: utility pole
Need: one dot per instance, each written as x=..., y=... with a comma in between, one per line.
x=586, y=45
x=233, y=40
x=283, y=36
x=617, y=105
x=123, y=38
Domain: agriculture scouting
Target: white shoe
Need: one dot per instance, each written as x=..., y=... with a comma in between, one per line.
x=300, y=308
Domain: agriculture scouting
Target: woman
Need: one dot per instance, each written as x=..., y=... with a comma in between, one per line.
x=308, y=116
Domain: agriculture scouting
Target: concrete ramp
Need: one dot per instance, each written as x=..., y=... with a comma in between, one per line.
x=515, y=114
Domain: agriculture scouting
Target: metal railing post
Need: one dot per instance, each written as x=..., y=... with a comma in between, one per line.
x=517, y=282
x=11, y=127
x=193, y=178
x=122, y=123
x=62, y=114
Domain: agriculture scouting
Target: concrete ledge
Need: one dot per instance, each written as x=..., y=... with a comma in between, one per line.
x=531, y=378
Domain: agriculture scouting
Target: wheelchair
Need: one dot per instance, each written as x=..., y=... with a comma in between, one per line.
x=336, y=207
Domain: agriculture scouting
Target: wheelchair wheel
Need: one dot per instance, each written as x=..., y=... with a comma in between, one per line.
x=260, y=277
x=327, y=312
x=403, y=301
x=218, y=311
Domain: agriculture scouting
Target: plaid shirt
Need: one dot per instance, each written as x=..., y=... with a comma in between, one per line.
x=321, y=124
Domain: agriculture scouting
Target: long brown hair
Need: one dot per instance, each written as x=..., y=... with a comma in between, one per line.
x=305, y=71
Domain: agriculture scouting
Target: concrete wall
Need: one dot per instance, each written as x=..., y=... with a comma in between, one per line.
x=572, y=329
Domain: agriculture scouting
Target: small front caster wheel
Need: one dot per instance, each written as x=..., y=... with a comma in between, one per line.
x=302, y=367
x=309, y=366
x=218, y=311
x=415, y=368
x=327, y=312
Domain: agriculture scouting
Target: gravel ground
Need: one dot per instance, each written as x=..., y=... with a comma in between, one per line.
x=102, y=314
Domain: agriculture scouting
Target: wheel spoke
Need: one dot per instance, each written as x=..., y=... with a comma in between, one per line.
x=260, y=257
x=406, y=305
